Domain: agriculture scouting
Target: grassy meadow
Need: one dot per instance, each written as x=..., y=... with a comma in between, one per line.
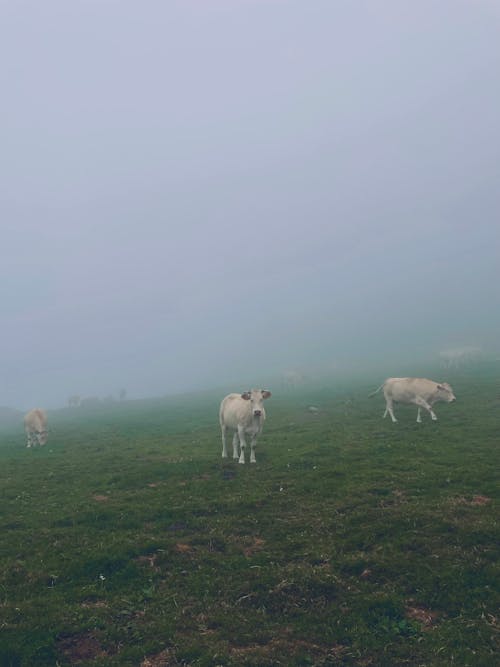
x=127, y=540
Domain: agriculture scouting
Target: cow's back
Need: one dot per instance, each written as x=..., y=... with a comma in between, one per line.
x=404, y=389
x=234, y=410
x=36, y=419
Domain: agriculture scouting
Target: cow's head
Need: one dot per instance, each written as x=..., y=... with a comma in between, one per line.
x=256, y=397
x=445, y=392
x=42, y=436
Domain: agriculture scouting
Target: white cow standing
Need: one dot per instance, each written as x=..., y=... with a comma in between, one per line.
x=35, y=426
x=245, y=414
x=417, y=391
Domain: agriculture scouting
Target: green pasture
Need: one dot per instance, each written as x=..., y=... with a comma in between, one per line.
x=127, y=540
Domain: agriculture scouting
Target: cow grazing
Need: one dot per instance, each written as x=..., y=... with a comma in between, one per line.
x=417, y=391
x=245, y=414
x=35, y=426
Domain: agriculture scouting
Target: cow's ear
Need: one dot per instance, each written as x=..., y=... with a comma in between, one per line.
x=246, y=395
x=266, y=393
x=440, y=386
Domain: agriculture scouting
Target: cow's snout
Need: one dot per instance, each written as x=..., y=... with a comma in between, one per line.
x=257, y=413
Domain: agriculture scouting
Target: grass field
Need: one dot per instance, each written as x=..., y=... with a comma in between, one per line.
x=127, y=540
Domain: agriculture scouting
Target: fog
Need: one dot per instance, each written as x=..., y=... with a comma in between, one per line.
x=195, y=194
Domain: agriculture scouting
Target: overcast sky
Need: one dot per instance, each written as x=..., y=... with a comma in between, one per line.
x=193, y=191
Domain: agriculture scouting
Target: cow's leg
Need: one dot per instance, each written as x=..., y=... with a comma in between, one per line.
x=422, y=403
x=252, y=449
x=28, y=438
x=243, y=444
x=223, y=429
x=388, y=409
x=236, y=442
x=419, y=418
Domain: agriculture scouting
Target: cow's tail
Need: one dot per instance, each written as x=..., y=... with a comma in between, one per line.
x=376, y=391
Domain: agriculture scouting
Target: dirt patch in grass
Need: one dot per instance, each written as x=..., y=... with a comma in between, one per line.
x=257, y=544
x=286, y=646
x=149, y=560
x=98, y=497
x=480, y=500
x=471, y=501
x=163, y=659
x=425, y=617
x=78, y=648
x=249, y=544
x=94, y=604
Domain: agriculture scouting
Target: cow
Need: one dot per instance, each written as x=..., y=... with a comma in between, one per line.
x=35, y=426
x=74, y=401
x=292, y=380
x=417, y=391
x=457, y=357
x=245, y=414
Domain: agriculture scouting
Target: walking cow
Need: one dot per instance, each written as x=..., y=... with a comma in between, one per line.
x=417, y=391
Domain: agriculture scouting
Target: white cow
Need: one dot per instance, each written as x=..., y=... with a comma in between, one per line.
x=74, y=401
x=292, y=380
x=417, y=391
x=457, y=357
x=245, y=414
x=35, y=426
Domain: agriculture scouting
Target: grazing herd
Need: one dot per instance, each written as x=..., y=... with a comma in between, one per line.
x=244, y=414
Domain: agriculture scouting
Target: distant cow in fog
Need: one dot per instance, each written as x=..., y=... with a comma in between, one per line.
x=456, y=357
x=74, y=401
x=417, y=391
x=35, y=426
x=245, y=414
x=292, y=379
x=90, y=402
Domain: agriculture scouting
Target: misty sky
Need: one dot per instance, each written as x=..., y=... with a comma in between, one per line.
x=195, y=191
